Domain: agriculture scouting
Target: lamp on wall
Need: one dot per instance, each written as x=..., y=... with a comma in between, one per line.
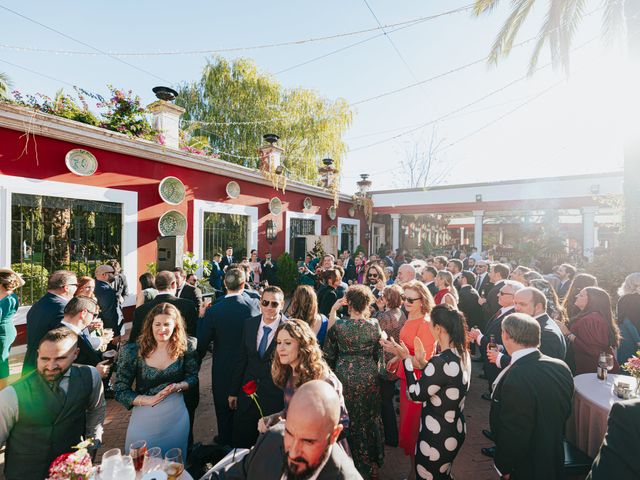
x=478, y=197
x=272, y=230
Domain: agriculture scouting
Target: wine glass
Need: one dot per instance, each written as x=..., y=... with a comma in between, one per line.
x=608, y=364
x=137, y=451
x=173, y=465
x=125, y=470
x=152, y=460
x=110, y=460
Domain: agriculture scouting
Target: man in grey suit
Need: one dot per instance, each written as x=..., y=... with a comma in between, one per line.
x=304, y=446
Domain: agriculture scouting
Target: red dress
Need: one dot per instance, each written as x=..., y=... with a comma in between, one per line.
x=410, y=411
x=440, y=295
x=592, y=338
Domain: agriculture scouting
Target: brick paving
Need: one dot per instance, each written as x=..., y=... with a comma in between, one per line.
x=470, y=463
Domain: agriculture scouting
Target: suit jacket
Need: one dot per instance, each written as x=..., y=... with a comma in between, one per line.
x=350, y=271
x=215, y=277
x=187, y=310
x=618, y=457
x=251, y=367
x=432, y=288
x=87, y=355
x=552, y=342
x=264, y=461
x=494, y=327
x=269, y=272
x=225, y=262
x=485, y=286
x=108, y=303
x=44, y=315
x=327, y=297
x=563, y=289
x=189, y=292
x=223, y=324
x=492, y=306
x=529, y=409
x=468, y=304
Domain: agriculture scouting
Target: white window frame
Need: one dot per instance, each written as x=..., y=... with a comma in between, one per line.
x=49, y=188
x=200, y=207
x=349, y=221
x=303, y=216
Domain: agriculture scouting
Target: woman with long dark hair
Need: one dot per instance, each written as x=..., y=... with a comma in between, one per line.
x=628, y=317
x=592, y=331
x=148, y=289
x=580, y=281
x=441, y=388
x=304, y=305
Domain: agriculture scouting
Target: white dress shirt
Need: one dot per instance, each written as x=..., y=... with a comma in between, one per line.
x=96, y=409
x=273, y=326
x=94, y=341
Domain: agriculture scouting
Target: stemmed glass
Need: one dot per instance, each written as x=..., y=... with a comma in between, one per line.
x=605, y=362
x=111, y=459
x=173, y=465
x=125, y=470
x=152, y=460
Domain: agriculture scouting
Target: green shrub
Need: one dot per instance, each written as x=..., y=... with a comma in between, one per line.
x=287, y=273
x=359, y=249
x=35, y=282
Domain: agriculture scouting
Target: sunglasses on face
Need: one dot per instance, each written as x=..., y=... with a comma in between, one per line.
x=266, y=303
x=372, y=275
x=411, y=300
x=504, y=293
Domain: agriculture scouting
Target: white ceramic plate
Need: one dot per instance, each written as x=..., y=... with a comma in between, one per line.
x=81, y=162
x=352, y=212
x=172, y=223
x=233, y=189
x=275, y=206
x=308, y=203
x=331, y=211
x=172, y=190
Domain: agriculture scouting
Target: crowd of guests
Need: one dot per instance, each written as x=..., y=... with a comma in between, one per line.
x=364, y=334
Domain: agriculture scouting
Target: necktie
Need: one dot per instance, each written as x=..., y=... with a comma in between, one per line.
x=264, y=341
x=57, y=389
x=479, y=282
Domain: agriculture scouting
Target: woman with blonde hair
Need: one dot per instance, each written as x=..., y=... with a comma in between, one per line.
x=86, y=287
x=304, y=305
x=418, y=304
x=298, y=360
x=446, y=291
x=628, y=317
x=163, y=363
x=353, y=351
x=9, y=281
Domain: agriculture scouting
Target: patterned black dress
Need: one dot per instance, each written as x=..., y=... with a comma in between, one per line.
x=442, y=389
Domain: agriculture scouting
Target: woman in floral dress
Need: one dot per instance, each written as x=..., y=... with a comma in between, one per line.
x=441, y=388
x=353, y=351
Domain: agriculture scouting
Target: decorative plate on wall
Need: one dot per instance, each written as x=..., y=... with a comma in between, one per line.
x=352, y=212
x=233, y=189
x=172, y=223
x=275, y=206
x=81, y=162
x=307, y=203
x=332, y=230
x=331, y=211
x=172, y=190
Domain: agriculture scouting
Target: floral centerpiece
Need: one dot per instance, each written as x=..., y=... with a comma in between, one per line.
x=73, y=465
x=633, y=368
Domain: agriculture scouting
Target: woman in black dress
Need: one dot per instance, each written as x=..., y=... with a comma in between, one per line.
x=441, y=389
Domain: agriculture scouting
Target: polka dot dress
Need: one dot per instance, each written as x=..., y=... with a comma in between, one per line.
x=441, y=389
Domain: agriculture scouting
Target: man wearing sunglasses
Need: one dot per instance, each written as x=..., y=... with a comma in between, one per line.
x=256, y=351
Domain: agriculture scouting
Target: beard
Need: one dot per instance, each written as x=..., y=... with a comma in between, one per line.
x=294, y=472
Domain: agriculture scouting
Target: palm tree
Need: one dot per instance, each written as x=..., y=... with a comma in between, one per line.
x=561, y=22
x=5, y=83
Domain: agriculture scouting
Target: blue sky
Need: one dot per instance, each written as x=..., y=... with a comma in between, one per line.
x=561, y=125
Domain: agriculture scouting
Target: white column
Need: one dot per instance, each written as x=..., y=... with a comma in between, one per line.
x=165, y=118
x=588, y=231
x=501, y=236
x=477, y=232
x=461, y=236
x=395, y=231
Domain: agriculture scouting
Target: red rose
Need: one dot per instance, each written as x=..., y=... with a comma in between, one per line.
x=250, y=387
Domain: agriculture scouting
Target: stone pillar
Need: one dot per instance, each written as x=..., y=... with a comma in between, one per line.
x=477, y=233
x=501, y=236
x=461, y=236
x=395, y=231
x=165, y=118
x=588, y=231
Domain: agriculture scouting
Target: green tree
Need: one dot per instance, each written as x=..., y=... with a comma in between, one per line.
x=236, y=104
x=5, y=84
x=287, y=273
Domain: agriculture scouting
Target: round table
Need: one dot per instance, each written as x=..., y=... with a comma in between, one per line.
x=592, y=402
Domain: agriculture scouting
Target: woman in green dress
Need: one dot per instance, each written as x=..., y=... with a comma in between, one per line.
x=353, y=351
x=9, y=281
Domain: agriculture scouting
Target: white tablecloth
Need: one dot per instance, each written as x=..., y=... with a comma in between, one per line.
x=592, y=402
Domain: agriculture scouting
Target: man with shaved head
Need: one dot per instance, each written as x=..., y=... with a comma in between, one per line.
x=406, y=273
x=303, y=447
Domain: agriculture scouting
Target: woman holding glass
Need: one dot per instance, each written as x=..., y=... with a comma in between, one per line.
x=163, y=363
x=418, y=303
x=9, y=281
x=593, y=331
x=441, y=388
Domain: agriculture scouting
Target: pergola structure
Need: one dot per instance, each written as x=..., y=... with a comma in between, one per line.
x=589, y=196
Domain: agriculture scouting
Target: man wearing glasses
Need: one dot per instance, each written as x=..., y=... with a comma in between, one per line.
x=47, y=313
x=256, y=351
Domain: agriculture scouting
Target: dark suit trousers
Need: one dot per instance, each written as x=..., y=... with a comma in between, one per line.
x=388, y=413
x=224, y=415
x=245, y=421
x=191, y=401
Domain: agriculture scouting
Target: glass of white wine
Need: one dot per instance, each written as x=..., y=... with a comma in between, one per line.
x=173, y=464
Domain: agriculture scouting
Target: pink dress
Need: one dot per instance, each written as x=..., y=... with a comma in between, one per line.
x=410, y=411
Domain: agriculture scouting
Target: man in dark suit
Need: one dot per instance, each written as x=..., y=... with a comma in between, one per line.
x=46, y=313
x=227, y=260
x=256, y=352
x=223, y=324
x=530, y=405
x=566, y=272
x=468, y=300
x=108, y=301
x=216, y=275
x=498, y=274
x=269, y=269
x=483, y=284
x=186, y=291
x=455, y=267
x=428, y=276
x=327, y=294
x=618, y=457
x=78, y=314
x=302, y=447
x=349, y=267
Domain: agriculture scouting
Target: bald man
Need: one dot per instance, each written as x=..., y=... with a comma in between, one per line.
x=406, y=273
x=304, y=446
